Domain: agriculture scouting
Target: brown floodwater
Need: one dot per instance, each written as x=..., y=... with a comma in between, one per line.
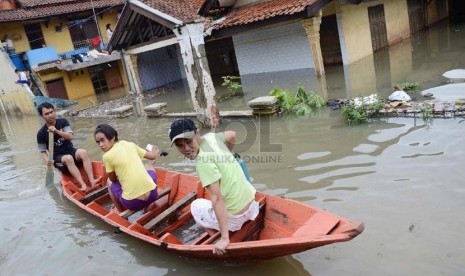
x=401, y=176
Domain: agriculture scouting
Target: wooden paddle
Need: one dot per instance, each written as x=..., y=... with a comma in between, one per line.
x=49, y=176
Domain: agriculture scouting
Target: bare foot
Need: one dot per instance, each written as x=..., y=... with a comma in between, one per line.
x=115, y=210
x=95, y=182
x=83, y=188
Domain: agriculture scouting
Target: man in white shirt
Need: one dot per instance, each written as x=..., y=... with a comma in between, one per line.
x=9, y=45
x=109, y=31
x=22, y=77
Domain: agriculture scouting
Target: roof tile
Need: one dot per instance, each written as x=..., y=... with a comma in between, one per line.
x=35, y=9
x=262, y=10
x=36, y=3
x=184, y=10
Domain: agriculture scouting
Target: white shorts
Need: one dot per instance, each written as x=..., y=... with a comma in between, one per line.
x=203, y=213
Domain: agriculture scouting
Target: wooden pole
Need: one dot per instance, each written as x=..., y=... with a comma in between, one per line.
x=49, y=176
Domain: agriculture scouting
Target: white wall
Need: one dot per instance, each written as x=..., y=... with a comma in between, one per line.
x=273, y=49
x=7, y=74
x=13, y=97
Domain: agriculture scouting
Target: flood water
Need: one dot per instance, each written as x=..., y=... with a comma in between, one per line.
x=401, y=176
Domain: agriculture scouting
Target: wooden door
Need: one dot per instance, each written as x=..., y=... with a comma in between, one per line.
x=329, y=40
x=112, y=76
x=416, y=15
x=57, y=89
x=441, y=6
x=97, y=74
x=377, y=27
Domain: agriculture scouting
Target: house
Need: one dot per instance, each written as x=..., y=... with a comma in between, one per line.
x=48, y=38
x=257, y=39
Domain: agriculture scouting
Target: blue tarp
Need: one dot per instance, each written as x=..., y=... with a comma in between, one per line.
x=41, y=55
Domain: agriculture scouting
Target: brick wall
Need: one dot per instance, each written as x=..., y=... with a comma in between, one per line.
x=273, y=49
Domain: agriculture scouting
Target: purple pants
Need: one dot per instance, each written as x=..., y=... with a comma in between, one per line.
x=134, y=204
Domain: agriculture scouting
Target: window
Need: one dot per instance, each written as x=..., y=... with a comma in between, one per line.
x=82, y=32
x=34, y=35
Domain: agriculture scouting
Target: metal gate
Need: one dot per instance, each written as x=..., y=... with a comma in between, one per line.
x=416, y=15
x=377, y=27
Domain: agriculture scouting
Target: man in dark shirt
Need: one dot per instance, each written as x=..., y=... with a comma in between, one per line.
x=65, y=156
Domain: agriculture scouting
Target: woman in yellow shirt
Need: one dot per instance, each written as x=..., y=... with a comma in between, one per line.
x=132, y=186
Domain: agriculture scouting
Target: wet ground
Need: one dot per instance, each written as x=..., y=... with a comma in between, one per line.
x=401, y=176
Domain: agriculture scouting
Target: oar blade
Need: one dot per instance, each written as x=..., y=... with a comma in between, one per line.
x=49, y=176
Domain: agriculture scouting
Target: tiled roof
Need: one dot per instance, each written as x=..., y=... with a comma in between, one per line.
x=184, y=10
x=36, y=3
x=35, y=9
x=259, y=11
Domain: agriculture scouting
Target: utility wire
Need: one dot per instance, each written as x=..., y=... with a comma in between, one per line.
x=81, y=20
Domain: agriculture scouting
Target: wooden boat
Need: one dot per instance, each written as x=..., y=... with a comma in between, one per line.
x=283, y=227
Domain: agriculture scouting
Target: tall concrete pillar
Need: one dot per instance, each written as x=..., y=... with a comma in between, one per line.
x=135, y=69
x=312, y=28
x=192, y=46
x=133, y=74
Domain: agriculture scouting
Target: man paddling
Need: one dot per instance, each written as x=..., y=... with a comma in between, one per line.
x=66, y=158
x=232, y=197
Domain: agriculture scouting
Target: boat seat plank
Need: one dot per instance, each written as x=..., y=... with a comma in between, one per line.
x=203, y=237
x=94, y=195
x=169, y=238
x=128, y=212
x=319, y=224
x=212, y=239
x=180, y=221
x=171, y=211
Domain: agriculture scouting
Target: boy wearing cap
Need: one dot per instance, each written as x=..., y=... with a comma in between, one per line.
x=232, y=197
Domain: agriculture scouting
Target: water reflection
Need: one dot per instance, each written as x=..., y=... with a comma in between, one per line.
x=19, y=161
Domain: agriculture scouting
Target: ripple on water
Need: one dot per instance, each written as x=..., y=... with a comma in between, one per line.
x=386, y=135
x=332, y=200
x=17, y=185
x=348, y=161
x=422, y=154
x=343, y=189
x=311, y=155
x=306, y=195
x=366, y=148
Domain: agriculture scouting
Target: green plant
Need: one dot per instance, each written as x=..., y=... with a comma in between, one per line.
x=409, y=86
x=286, y=100
x=358, y=110
x=459, y=102
x=354, y=115
x=300, y=104
x=426, y=113
x=232, y=83
x=316, y=100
